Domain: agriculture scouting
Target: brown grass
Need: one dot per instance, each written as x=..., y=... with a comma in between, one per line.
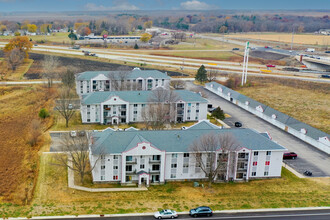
x=306, y=101
x=311, y=39
x=19, y=105
x=18, y=74
x=53, y=197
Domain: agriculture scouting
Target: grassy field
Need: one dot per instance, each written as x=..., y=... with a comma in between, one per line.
x=203, y=44
x=310, y=39
x=19, y=105
x=53, y=197
x=18, y=74
x=306, y=101
x=54, y=37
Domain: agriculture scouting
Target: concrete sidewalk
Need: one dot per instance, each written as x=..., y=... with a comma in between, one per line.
x=86, y=189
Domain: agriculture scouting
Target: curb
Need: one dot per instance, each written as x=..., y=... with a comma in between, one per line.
x=181, y=213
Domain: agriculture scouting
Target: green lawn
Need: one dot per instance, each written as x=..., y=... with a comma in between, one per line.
x=53, y=197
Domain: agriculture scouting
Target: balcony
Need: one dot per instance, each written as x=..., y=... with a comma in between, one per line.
x=154, y=171
x=243, y=158
x=130, y=171
x=134, y=161
x=154, y=161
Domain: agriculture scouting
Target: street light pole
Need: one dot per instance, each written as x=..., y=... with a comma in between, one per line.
x=245, y=63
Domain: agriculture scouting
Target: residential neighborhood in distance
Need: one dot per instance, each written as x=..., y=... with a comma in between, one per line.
x=164, y=109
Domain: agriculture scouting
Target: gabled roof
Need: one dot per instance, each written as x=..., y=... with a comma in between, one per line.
x=116, y=142
x=133, y=74
x=137, y=96
x=203, y=124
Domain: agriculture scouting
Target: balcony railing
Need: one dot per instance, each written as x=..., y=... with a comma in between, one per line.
x=134, y=161
x=154, y=171
x=130, y=171
x=154, y=161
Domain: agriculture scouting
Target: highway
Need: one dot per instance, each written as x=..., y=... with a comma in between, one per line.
x=291, y=215
x=309, y=158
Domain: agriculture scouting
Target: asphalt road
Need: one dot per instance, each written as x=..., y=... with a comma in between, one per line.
x=292, y=215
x=309, y=158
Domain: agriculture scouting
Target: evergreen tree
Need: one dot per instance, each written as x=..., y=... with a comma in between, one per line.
x=218, y=113
x=201, y=74
x=136, y=46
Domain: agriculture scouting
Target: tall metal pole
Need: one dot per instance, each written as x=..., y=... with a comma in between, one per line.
x=245, y=63
x=292, y=37
x=243, y=71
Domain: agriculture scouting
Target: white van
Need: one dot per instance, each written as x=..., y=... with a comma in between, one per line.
x=310, y=50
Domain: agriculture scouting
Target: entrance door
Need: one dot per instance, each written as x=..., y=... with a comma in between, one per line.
x=114, y=121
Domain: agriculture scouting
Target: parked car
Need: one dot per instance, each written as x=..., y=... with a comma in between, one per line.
x=235, y=48
x=290, y=155
x=325, y=76
x=166, y=213
x=70, y=106
x=328, y=51
x=81, y=133
x=201, y=211
x=308, y=173
x=270, y=65
x=238, y=124
x=73, y=133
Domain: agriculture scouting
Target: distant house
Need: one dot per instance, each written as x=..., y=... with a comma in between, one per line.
x=136, y=79
x=324, y=31
x=153, y=157
x=115, y=107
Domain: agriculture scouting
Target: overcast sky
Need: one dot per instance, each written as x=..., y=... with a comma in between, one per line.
x=95, y=5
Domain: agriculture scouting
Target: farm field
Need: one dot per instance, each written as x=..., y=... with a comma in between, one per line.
x=19, y=105
x=54, y=37
x=310, y=39
x=53, y=197
x=306, y=101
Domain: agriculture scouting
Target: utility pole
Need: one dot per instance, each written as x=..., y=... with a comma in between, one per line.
x=292, y=37
x=245, y=63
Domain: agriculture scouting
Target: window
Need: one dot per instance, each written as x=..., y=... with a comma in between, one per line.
x=129, y=168
x=115, y=177
x=185, y=165
x=255, y=163
x=188, y=110
x=102, y=167
x=143, y=105
x=254, y=173
x=186, y=155
x=115, y=167
x=88, y=120
x=155, y=167
x=196, y=117
x=115, y=157
x=135, y=105
x=267, y=163
x=174, y=155
x=188, y=118
x=102, y=178
x=197, y=110
x=123, y=106
x=88, y=113
x=155, y=157
x=255, y=153
x=129, y=158
x=135, y=112
x=197, y=104
x=266, y=173
x=141, y=166
x=189, y=104
x=173, y=176
x=174, y=165
x=268, y=153
x=102, y=157
x=88, y=106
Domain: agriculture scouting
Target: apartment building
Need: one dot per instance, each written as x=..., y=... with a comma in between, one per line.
x=136, y=79
x=126, y=106
x=154, y=157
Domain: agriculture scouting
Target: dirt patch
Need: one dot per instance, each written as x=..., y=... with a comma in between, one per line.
x=35, y=71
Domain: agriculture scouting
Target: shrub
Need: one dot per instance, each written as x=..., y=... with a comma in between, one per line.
x=218, y=113
x=43, y=113
x=136, y=46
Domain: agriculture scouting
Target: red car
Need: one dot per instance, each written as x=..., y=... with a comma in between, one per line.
x=290, y=155
x=270, y=65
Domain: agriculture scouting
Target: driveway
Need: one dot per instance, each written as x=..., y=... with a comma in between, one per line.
x=309, y=158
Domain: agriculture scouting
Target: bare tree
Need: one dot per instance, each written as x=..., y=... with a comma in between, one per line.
x=211, y=152
x=177, y=84
x=50, y=67
x=161, y=108
x=119, y=79
x=35, y=132
x=77, y=155
x=68, y=76
x=14, y=58
x=212, y=74
x=64, y=105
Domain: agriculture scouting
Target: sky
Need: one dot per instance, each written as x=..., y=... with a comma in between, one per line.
x=124, y=5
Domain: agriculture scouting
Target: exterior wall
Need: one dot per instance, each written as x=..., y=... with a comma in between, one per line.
x=97, y=112
x=103, y=83
x=321, y=146
x=104, y=170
